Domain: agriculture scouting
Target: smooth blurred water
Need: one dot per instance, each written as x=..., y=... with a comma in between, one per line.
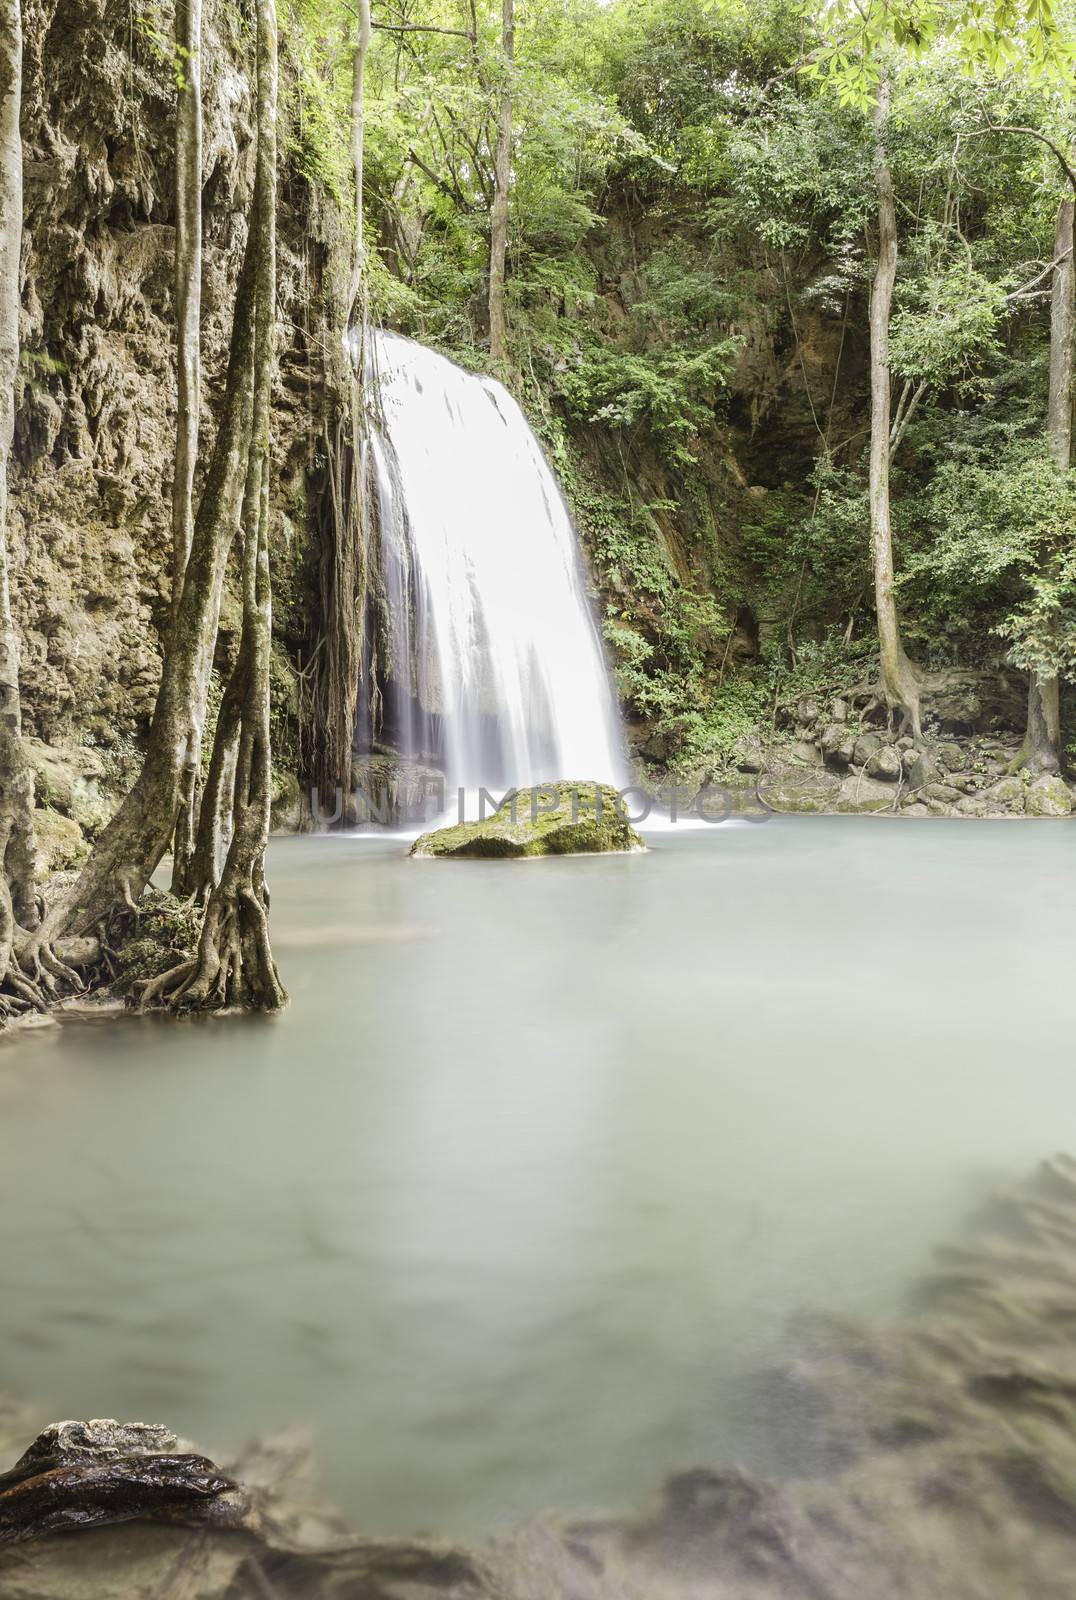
x=513, y=1202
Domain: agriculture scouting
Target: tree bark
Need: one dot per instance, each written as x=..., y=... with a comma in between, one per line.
x=188, y=282
x=1041, y=751
x=188, y=291
x=358, y=141
x=344, y=565
x=899, y=685
x=498, y=236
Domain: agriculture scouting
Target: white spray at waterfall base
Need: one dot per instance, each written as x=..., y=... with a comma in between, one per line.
x=490, y=658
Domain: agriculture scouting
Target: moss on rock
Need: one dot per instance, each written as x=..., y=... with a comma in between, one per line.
x=60, y=842
x=553, y=819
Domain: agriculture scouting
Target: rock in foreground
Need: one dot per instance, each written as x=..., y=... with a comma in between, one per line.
x=85, y=1474
x=554, y=819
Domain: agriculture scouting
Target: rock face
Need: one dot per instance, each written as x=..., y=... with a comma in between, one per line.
x=89, y=515
x=551, y=820
x=389, y=790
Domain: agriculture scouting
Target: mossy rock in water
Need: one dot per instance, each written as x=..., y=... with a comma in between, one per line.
x=553, y=819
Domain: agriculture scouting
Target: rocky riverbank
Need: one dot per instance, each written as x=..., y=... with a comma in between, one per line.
x=839, y=755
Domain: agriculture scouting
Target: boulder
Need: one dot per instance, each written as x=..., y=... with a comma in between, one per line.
x=859, y=793
x=837, y=744
x=838, y=710
x=806, y=753
x=748, y=755
x=865, y=747
x=1007, y=794
x=79, y=1475
x=808, y=712
x=973, y=805
x=552, y=819
x=950, y=756
x=920, y=768
x=1048, y=796
x=947, y=793
x=884, y=764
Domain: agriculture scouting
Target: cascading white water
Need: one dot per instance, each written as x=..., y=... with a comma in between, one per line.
x=489, y=640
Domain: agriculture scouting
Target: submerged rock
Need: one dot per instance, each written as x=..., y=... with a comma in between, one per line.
x=553, y=819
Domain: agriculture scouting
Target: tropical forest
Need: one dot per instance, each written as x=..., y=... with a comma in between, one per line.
x=537, y=726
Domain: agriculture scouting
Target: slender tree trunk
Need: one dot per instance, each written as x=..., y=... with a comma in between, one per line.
x=358, y=142
x=898, y=679
x=188, y=290
x=188, y=282
x=498, y=239
x=18, y=908
x=217, y=802
x=234, y=963
x=1041, y=751
x=343, y=569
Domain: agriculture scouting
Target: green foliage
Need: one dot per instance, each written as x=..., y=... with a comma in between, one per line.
x=948, y=326
x=1004, y=542
x=673, y=394
x=1029, y=36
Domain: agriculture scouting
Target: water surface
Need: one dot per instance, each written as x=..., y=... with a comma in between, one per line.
x=514, y=1201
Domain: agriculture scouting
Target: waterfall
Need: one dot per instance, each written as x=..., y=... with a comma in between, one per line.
x=487, y=657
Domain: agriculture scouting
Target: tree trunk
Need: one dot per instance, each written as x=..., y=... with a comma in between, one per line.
x=18, y=906
x=344, y=564
x=217, y=802
x=1041, y=751
x=188, y=290
x=358, y=140
x=899, y=685
x=188, y=282
x=498, y=238
x=234, y=964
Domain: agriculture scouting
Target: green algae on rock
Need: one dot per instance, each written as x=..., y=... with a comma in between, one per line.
x=551, y=819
